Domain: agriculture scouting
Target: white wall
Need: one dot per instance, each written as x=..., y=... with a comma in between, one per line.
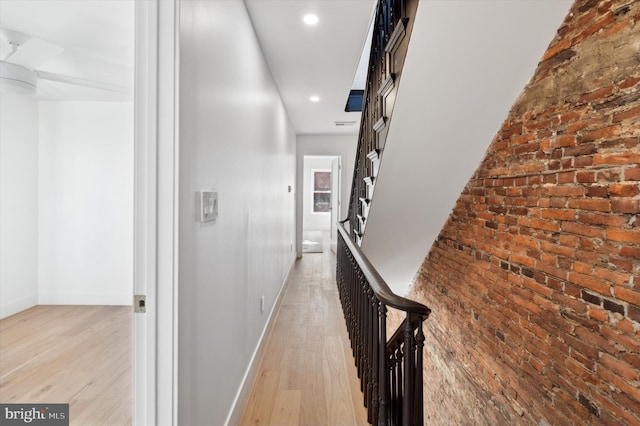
x=343, y=146
x=314, y=221
x=18, y=203
x=235, y=138
x=466, y=64
x=86, y=203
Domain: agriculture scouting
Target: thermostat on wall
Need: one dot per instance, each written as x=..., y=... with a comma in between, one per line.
x=208, y=206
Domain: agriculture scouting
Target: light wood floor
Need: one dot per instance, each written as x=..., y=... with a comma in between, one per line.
x=307, y=375
x=80, y=355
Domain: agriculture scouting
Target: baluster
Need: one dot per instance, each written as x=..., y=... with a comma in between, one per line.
x=367, y=367
x=409, y=367
x=383, y=366
x=399, y=404
x=419, y=415
x=392, y=391
x=353, y=306
x=370, y=348
x=375, y=353
x=356, y=315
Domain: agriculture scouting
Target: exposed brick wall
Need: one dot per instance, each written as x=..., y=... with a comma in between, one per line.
x=534, y=281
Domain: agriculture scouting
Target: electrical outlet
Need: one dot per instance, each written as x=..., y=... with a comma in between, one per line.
x=262, y=304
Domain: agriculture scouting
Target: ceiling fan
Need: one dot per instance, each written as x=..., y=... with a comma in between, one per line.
x=24, y=54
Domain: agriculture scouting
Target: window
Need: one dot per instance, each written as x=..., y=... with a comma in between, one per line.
x=321, y=191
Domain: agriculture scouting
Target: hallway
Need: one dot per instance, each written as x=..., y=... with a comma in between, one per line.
x=307, y=375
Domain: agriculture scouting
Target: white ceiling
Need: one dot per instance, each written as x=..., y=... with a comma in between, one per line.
x=314, y=60
x=98, y=41
x=97, y=37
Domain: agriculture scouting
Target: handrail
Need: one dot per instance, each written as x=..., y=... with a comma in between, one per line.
x=390, y=370
x=377, y=283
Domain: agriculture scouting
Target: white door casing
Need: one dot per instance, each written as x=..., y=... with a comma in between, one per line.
x=335, y=201
x=155, y=213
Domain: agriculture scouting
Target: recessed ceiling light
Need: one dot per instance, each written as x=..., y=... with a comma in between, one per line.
x=314, y=98
x=310, y=19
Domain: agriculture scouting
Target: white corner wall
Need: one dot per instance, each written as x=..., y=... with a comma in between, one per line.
x=343, y=146
x=18, y=203
x=85, y=241
x=313, y=221
x=235, y=138
x=466, y=64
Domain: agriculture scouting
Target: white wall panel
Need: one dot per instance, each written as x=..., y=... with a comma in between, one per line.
x=235, y=139
x=18, y=203
x=86, y=203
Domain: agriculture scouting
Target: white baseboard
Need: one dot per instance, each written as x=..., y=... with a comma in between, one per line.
x=240, y=401
x=85, y=298
x=13, y=307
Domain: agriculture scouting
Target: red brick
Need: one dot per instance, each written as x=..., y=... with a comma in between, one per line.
x=545, y=225
x=603, y=22
x=612, y=276
x=598, y=314
x=597, y=191
x=621, y=368
x=602, y=133
x=602, y=219
x=586, y=177
x=632, y=173
x=624, y=190
x=566, y=177
x=623, y=339
x=630, y=113
x=596, y=94
x=622, y=158
x=584, y=230
x=627, y=295
x=624, y=235
x=629, y=82
x=557, y=48
x=590, y=283
x=566, y=191
x=591, y=204
x=619, y=383
x=615, y=29
x=632, y=252
x=625, y=206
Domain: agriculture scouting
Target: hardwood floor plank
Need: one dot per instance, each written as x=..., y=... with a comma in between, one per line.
x=307, y=375
x=260, y=404
x=80, y=355
x=339, y=404
x=313, y=409
x=286, y=409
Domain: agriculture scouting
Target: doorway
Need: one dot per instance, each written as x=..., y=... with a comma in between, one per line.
x=321, y=203
x=73, y=142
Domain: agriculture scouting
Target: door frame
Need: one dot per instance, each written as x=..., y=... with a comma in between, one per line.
x=336, y=183
x=154, y=390
x=301, y=195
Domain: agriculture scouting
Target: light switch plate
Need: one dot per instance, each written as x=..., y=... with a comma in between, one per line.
x=208, y=206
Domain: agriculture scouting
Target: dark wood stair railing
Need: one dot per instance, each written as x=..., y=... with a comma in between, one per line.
x=390, y=371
